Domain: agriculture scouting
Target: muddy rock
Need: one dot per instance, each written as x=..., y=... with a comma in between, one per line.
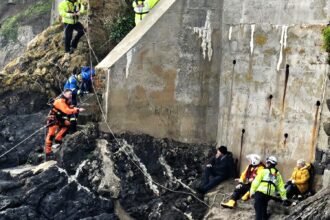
x=48, y=192
x=315, y=207
x=174, y=165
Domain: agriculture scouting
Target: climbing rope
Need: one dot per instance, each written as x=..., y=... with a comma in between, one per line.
x=91, y=51
x=27, y=138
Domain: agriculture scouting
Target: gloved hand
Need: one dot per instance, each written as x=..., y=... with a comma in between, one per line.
x=209, y=165
x=286, y=202
x=239, y=186
x=292, y=181
x=79, y=92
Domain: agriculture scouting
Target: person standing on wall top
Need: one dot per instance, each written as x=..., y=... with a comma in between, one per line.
x=299, y=181
x=242, y=190
x=58, y=121
x=220, y=168
x=142, y=8
x=70, y=10
x=265, y=186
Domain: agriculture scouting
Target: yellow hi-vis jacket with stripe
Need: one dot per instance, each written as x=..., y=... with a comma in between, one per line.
x=269, y=181
x=142, y=8
x=67, y=8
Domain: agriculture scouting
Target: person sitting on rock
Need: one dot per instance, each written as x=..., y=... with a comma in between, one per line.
x=70, y=10
x=265, y=186
x=221, y=168
x=298, y=183
x=58, y=121
x=72, y=84
x=245, y=180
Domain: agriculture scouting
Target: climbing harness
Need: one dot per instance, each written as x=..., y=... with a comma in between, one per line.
x=271, y=180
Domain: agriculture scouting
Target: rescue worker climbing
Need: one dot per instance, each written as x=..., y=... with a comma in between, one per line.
x=299, y=181
x=58, y=120
x=242, y=190
x=70, y=10
x=73, y=84
x=142, y=8
x=265, y=186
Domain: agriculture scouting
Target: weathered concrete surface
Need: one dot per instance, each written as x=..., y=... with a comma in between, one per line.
x=166, y=85
x=246, y=88
x=178, y=80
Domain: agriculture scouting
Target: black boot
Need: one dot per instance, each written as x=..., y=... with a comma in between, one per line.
x=50, y=156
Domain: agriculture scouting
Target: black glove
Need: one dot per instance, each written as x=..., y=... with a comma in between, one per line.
x=286, y=203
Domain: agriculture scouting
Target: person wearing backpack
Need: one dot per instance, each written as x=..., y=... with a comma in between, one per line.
x=87, y=75
x=299, y=181
x=242, y=190
x=73, y=84
x=265, y=186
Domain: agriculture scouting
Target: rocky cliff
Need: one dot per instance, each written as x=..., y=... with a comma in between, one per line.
x=98, y=175
x=20, y=22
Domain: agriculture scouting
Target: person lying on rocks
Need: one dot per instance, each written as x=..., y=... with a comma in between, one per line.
x=299, y=181
x=245, y=180
x=219, y=169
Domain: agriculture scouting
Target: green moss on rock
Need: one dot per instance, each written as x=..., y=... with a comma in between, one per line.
x=9, y=28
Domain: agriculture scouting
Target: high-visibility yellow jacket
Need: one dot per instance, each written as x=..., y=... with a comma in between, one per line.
x=67, y=8
x=142, y=8
x=250, y=172
x=301, y=176
x=269, y=181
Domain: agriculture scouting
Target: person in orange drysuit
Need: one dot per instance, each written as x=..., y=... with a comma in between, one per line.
x=58, y=121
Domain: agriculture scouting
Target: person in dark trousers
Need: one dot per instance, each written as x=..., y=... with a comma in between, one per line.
x=265, y=186
x=87, y=75
x=70, y=10
x=299, y=181
x=220, y=168
x=242, y=190
x=73, y=84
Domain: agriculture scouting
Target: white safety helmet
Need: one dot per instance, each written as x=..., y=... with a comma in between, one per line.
x=254, y=159
x=272, y=160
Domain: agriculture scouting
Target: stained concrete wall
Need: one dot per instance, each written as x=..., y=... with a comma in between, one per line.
x=166, y=85
x=264, y=39
x=178, y=80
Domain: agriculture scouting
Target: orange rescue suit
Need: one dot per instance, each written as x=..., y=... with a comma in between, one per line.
x=58, y=120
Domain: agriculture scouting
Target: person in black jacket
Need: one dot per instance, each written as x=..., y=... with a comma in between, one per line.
x=220, y=168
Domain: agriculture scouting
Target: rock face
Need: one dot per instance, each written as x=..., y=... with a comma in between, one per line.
x=44, y=67
x=175, y=165
x=20, y=23
x=21, y=114
x=316, y=207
